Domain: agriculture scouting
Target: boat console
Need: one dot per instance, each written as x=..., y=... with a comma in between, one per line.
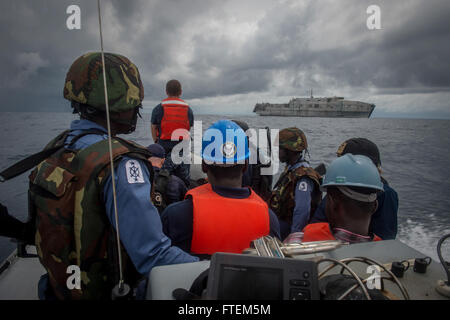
x=246, y=277
x=233, y=276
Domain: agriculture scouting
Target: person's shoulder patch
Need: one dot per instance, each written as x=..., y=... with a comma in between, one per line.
x=134, y=172
x=303, y=186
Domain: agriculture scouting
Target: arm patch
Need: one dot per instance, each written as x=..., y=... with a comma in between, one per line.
x=303, y=186
x=134, y=172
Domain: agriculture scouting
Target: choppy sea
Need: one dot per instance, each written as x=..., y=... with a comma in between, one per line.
x=414, y=153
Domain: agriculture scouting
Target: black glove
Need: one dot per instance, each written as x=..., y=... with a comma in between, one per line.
x=183, y=294
x=196, y=290
x=13, y=228
x=3, y=210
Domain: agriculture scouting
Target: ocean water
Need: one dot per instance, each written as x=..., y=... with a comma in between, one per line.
x=414, y=154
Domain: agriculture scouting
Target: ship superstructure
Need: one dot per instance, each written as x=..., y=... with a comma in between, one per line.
x=331, y=107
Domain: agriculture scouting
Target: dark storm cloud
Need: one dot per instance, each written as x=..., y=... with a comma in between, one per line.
x=418, y=52
x=37, y=53
x=413, y=54
x=231, y=48
x=411, y=57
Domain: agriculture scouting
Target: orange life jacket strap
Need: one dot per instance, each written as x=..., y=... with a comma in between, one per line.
x=317, y=232
x=321, y=231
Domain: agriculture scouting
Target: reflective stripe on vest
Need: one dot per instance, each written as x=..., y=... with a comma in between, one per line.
x=175, y=116
x=225, y=224
x=321, y=231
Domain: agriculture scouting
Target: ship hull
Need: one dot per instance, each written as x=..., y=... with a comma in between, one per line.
x=319, y=114
x=335, y=107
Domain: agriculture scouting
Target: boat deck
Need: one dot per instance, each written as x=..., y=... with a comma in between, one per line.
x=20, y=280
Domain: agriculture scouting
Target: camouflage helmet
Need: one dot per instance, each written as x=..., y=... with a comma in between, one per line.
x=84, y=82
x=293, y=139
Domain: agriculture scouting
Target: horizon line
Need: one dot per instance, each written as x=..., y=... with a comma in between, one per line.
x=385, y=115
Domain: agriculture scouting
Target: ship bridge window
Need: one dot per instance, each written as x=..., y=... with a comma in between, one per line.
x=316, y=105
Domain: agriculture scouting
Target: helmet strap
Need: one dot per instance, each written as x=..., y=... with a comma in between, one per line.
x=301, y=156
x=126, y=126
x=306, y=151
x=87, y=112
x=352, y=194
x=129, y=124
x=348, y=236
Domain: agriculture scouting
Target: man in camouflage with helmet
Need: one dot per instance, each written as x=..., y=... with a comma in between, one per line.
x=71, y=195
x=297, y=192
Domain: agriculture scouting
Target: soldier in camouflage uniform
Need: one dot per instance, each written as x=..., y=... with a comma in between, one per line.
x=71, y=197
x=297, y=192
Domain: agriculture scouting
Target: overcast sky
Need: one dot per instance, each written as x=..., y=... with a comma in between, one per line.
x=230, y=55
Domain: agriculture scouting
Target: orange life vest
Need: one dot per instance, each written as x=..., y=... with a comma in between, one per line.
x=226, y=224
x=175, y=116
x=321, y=231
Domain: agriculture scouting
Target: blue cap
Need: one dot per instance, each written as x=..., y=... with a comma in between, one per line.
x=157, y=150
x=224, y=142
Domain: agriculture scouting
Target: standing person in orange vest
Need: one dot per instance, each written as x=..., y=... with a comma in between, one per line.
x=171, y=114
x=352, y=183
x=220, y=216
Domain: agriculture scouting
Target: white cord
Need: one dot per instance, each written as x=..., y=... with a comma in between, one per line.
x=110, y=151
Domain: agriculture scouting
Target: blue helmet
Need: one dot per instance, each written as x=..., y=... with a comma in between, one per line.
x=353, y=171
x=224, y=142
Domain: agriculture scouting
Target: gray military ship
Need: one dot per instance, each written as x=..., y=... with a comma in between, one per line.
x=327, y=107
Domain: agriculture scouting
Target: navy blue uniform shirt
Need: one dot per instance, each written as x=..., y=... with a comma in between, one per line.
x=383, y=222
x=175, y=190
x=247, y=176
x=177, y=219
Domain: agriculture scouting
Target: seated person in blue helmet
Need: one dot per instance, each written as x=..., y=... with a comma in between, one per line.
x=220, y=216
x=352, y=183
x=384, y=220
x=168, y=188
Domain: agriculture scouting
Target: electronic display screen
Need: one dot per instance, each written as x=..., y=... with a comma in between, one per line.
x=248, y=283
